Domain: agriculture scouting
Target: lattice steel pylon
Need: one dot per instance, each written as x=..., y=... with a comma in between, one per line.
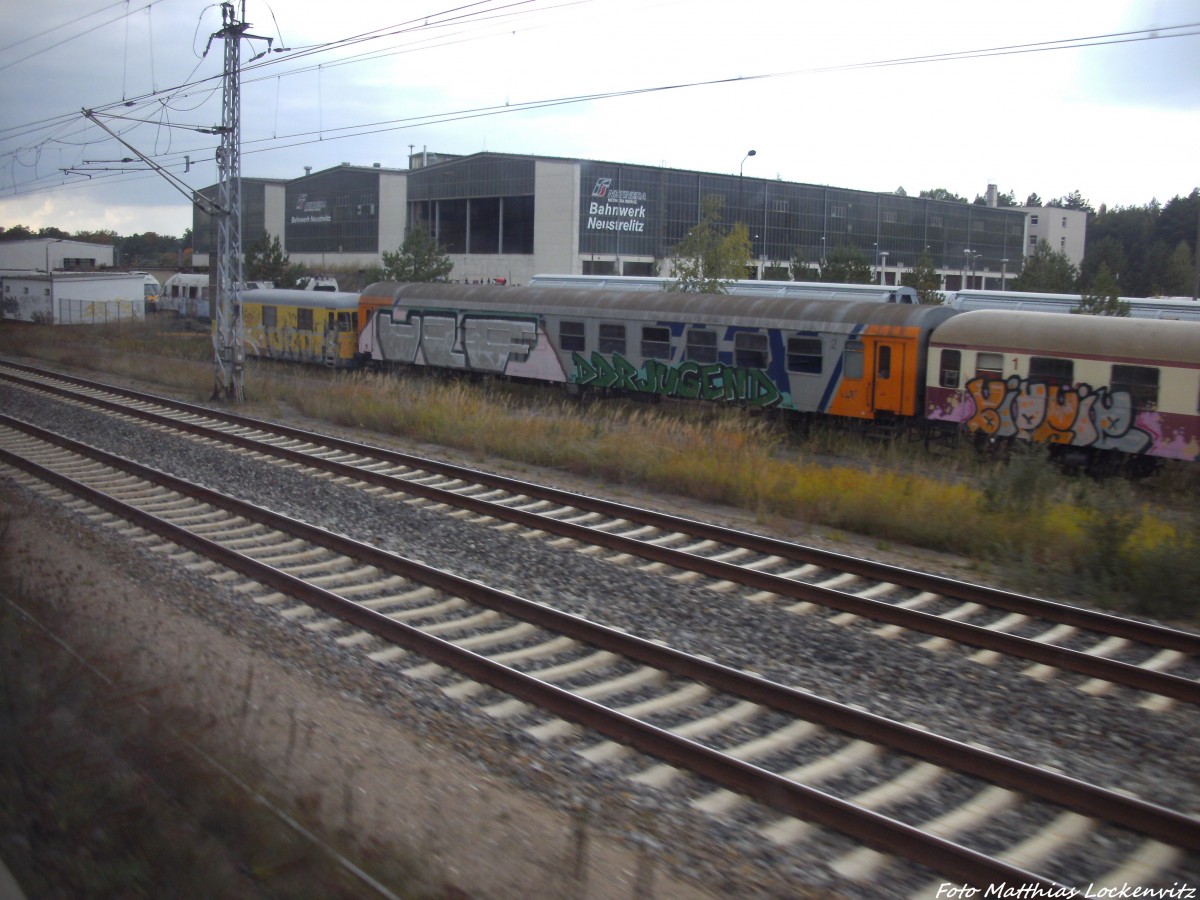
x=228, y=333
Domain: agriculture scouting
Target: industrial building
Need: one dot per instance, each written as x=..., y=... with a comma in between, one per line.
x=505, y=217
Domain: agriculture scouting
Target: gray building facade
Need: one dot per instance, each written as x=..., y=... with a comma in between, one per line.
x=508, y=217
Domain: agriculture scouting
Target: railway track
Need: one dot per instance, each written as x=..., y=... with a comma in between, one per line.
x=729, y=737
x=1105, y=650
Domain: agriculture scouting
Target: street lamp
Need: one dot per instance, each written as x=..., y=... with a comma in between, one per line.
x=740, y=168
x=883, y=268
x=966, y=261
x=1003, y=272
x=48, y=243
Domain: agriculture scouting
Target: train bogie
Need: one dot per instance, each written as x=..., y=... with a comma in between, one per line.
x=1090, y=384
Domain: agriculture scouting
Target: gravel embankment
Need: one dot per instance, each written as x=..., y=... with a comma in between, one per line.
x=1108, y=740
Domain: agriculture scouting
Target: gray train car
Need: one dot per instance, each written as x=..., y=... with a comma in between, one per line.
x=863, y=360
x=809, y=290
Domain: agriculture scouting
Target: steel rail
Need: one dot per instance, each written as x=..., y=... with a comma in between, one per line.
x=1127, y=674
x=1158, y=822
x=1104, y=623
x=872, y=829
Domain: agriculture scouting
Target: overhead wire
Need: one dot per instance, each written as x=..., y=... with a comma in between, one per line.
x=277, y=142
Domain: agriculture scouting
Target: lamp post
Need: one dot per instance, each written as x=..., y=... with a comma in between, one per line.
x=1003, y=272
x=974, y=260
x=740, y=168
x=966, y=260
x=883, y=268
x=48, y=243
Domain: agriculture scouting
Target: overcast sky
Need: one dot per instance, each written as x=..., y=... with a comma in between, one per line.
x=1119, y=120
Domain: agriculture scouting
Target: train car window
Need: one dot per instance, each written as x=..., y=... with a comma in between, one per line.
x=804, y=355
x=192, y=292
x=304, y=319
x=612, y=338
x=852, y=360
x=989, y=365
x=883, y=361
x=1140, y=382
x=702, y=345
x=750, y=350
x=1052, y=370
x=268, y=316
x=656, y=342
x=570, y=336
x=951, y=368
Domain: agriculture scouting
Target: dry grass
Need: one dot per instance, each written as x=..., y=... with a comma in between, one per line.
x=1122, y=545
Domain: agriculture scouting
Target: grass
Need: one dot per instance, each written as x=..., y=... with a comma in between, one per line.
x=1112, y=543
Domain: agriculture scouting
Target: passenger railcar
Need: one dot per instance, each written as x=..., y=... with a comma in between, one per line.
x=1139, y=307
x=314, y=327
x=1094, y=387
x=860, y=360
x=186, y=295
x=810, y=290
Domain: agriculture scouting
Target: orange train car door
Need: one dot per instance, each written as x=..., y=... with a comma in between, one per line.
x=889, y=377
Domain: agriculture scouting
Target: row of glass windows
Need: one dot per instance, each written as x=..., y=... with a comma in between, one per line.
x=1140, y=382
x=783, y=218
x=804, y=355
x=342, y=321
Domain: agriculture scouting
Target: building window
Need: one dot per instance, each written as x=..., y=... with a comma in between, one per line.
x=1051, y=370
x=837, y=212
x=1032, y=242
x=1033, y=220
x=570, y=336
x=1062, y=242
x=656, y=342
x=612, y=338
x=935, y=221
x=750, y=350
x=1140, y=382
x=701, y=345
x=804, y=355
x=889, y=217
x=951, y=368
x=1064, y=221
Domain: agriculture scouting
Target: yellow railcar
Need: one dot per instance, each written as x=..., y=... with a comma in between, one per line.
x=314, y=327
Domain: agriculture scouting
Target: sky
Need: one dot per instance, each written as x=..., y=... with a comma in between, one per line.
x=1035, y=96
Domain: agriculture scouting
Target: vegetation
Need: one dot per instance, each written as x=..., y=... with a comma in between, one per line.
x=1103, y=298
x=845, y=265
x=419, y=259
x=1019, y=519
x=1047, y=271
x=708, y=258
x=925, y=279
x=266, y=261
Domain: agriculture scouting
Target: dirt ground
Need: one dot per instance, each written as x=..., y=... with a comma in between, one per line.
x=369, y=769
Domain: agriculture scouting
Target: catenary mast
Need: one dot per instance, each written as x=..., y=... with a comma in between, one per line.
x=228, y=345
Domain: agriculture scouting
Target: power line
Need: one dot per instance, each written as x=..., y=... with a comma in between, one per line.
x=367, y=129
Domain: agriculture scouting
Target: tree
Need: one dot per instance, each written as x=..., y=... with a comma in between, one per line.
x=926, y=280
x=1180, y=273
x=1104, y=297
x=846, y=265
x=266, y=261
x=1003, y=200
x=1106, y=251
x=1033, y=200
x=942, y=194
x=1073, y=200
x=710, y=257
x=419, y=259
x=1048, y=271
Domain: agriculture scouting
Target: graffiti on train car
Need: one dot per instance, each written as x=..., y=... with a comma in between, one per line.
x=1082, y=416
x=688, y=380
x=489, y=343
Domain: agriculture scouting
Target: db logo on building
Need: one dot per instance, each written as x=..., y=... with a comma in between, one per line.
x=602, y=186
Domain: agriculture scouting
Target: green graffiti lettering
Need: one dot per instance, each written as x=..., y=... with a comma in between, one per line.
x=688, y=380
